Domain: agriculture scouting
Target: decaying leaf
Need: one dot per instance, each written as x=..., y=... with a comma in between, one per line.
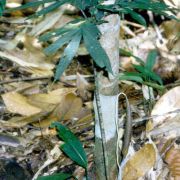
x=22, y=121
x=82, y=86
x=169, y=102
x=69, y=105
x=17, y=103
x=172, y=158
x=139, y=164
x=50, y=99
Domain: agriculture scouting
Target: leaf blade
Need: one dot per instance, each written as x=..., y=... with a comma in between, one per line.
x=72, y=147
x=69, y=53
x=95, y=49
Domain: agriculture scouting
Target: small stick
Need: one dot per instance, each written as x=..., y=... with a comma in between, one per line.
x=24, y=79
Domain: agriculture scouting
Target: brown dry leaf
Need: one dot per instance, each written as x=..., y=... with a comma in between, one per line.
x=82, y=86
x=172, y=158
x=51, y=99
x=22, y=121
x=84, y=119
x=48, y=22
x=171, y=31
x=69, y=106
x=17, y=103
x=170, y=101
x=139, y=164
x=31, y=57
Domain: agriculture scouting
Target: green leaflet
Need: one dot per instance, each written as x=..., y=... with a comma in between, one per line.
x=48, y=9
x=127, y=53
x=94, y=47
x=131, y=76
x=136, y=17
x=2, y=6
x=60, y=42
x=31, y=4
x=146, y=73
x=61, y=31
x=58, y=176
x=72, y=146
x=151, y=59
x=69, y=53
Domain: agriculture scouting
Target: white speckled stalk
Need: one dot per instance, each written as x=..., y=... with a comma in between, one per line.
x=108, y=92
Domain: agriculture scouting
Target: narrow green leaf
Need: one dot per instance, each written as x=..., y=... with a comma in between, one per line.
x=61, y=31
x=146, y=73
x=128, y=54
x=72, y=147
x=154, y=85
x=48, y=9
x=131, y=76
x=30, y=5
x=58, y=176
x=95, y=49
x=151, y=59
x=2, y=6
x=69, y=53
x=60, y=42
x=81, y=4
x=137, y=17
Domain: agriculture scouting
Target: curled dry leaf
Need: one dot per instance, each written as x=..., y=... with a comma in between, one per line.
x=17, y=103
x=69, y=105
x=169, y=102
x=165, y=125
x=31, y=58
x=140, y=163
x=82, y=86
x=172, y=158
x=50, y=99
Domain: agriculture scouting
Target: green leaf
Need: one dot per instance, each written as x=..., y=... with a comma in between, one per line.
x=31, y=4
x=90, y=34
x=146, y=73
x=136, y=17
x=61, y=31
x=2, y=6
x=72, y=147
x=128, y=54
x=154, y=85
x=58, y=176
x=151, y=59
x=81, y=4
x=131, y=76
x=60, y=42
x=49, y=8
x=69, y=53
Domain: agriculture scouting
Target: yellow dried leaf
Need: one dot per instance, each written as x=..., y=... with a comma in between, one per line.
x=50, y=99
x=139, y=164
x=68, y=107
x=17, y=103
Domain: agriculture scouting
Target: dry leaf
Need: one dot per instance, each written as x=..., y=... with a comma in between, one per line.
x=17, y=103
x=47, y=23
x=22, y=121
x=82, y=86
x=170, y=101
x=172, y=157
x=51, y=99
x=139, y=164
x=68, y=107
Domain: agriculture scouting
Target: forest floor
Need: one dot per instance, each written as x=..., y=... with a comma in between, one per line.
x=30, y=101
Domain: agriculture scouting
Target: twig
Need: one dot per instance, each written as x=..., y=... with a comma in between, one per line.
x=128, y=128
x=24, y=79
